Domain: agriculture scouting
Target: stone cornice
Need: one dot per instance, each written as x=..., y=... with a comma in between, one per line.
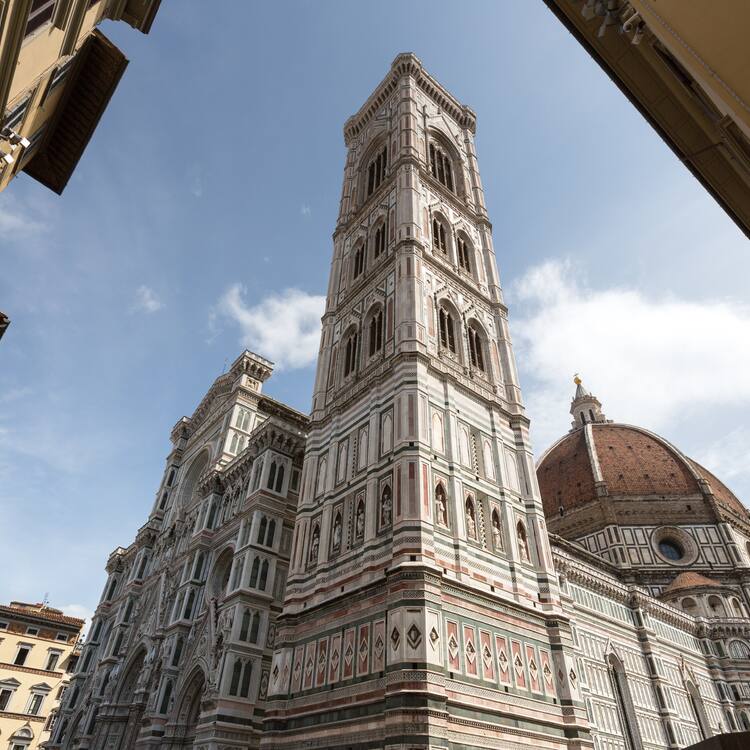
x=408, y=64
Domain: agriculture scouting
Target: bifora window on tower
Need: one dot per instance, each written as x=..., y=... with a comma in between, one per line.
x=441, y=167
x=376, y=171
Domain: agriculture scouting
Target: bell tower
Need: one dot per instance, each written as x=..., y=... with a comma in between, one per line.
x=421, y=608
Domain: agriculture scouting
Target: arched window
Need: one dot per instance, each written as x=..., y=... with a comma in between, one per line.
x=111, y=589
x=358, y=263
x=262, y=530
x=128, y=611
x=253, y=582
x=245, y=625
x=441, y=504
x=271, y=475
x=177, y=653
x=271, y=533
x=736, y=607
x=471, y=518
x=690, y=606
x=263, y=575
x=321, y=476
x=699, y=711
x=234, y=684
x=439, y=241
x=745, y=721
x=166, y=697
x=463, y=251
x=375, y=333
x=716, y=606
x=376, y=171
x=447, y=332
x=350, y=360
x=246, y=674
x=254, y=627
x=188, y=613
x=523, y=542
x=625, y=706
x=378, y=246
x=476, y=352
x=739, y=650
x=440, y=166
x=280, y=478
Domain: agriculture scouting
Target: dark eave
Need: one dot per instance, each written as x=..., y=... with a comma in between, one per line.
x=98, y=70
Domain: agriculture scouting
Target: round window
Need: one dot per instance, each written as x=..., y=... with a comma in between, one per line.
x=671, y=549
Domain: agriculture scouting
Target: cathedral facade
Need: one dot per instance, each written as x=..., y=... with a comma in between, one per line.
x=393, y=571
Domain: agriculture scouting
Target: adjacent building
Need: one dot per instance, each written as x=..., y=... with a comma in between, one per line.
x=39, y=648
x=394, y=571
x=686, y=67
x=57, y=74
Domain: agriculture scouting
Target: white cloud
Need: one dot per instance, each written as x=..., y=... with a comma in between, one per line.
x=15, y=221
x=649, y=360
x=729, y=456
x=305, y=210
x=284, y=327
x=146, y=300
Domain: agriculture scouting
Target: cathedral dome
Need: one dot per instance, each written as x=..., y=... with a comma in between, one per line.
x=601, y=460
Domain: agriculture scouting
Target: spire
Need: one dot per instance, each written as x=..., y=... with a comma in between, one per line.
x=585, y=407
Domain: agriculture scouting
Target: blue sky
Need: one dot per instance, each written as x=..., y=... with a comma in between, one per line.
x=200, y=218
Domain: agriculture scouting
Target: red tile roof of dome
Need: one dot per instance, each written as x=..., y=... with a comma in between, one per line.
x=631, y=462
x=690, y=580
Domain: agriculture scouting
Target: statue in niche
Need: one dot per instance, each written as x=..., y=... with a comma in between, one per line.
x=471, y=524
x=442, y=506
x=497, y=534
x=523, y=544
x=386, y=508
x=314, y=545
x=337, y=532
x=359, y=524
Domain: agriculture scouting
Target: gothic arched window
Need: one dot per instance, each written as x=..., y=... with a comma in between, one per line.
x=263, y=576
x=463, y=251
x=624, y=699
x=439, y=241
x=271, y=533
x=440, y=166
x=271, y=475
x=376, y=171
x=379, y=240
x=358, y=265
x=280, y=478
x=447, y=333
x=166, y=697
x=236, y=675
x=253, y=581
x=350, y=361
x=245, y=626
x=375, y=333
x=254, y=628
x=262, y=530
x=476, y=352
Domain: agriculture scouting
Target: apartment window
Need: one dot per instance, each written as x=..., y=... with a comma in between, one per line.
x=41, y=12
x=52, y=660
x=21, y=655
x=5, y=696
x=32, y=631
x=35, y=704
x=72, y=664
x=61, y=637
x=3, y=625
